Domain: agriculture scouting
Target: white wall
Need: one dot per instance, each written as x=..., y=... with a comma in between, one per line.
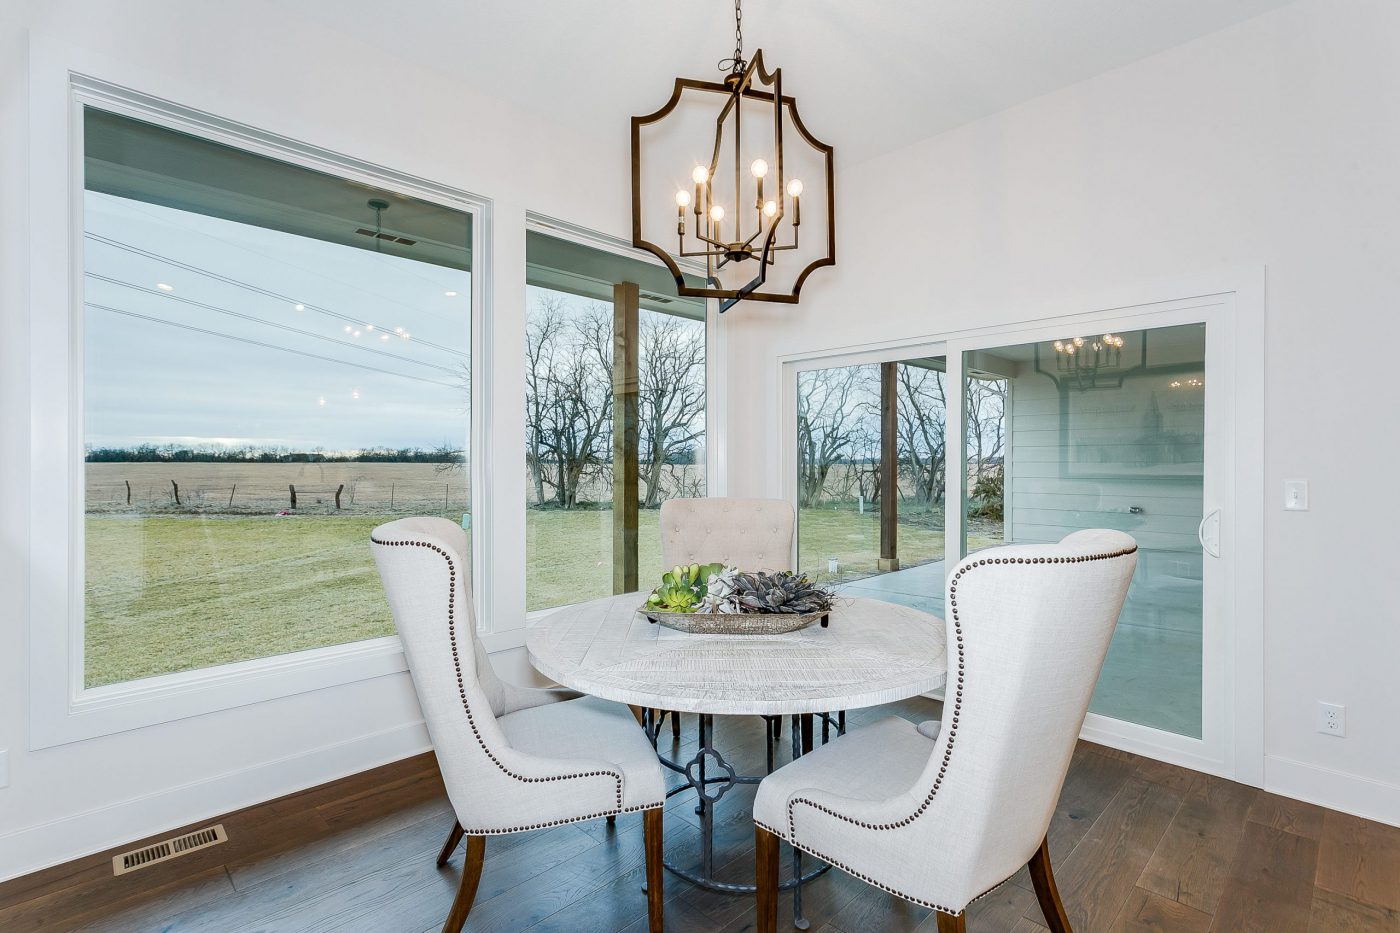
x=258, y=63
x=1272, y=143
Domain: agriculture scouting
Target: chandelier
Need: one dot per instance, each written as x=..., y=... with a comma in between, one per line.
x=733, y=204
x=1083, y=359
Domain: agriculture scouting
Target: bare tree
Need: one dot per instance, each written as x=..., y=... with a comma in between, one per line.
x=832, y=408
x=671, y=403
x=986, y=423
x=921, y=430
x=568, y=397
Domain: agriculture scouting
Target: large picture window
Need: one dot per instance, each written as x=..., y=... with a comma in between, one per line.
x=615, y=417
x=275, y=360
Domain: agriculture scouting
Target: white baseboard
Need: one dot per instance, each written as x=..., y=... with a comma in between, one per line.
x=40, y=846
x=1337, y=790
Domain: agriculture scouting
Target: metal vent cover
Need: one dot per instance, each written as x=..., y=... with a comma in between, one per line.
x=169, y=849
x=392, y=237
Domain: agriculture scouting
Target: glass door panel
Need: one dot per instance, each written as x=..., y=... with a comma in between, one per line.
x=1104, y=430
x=871, y=465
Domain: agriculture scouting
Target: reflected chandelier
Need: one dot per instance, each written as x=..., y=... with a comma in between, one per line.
x=751, y=225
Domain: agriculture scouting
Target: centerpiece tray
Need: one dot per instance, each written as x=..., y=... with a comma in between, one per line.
x=735, y=623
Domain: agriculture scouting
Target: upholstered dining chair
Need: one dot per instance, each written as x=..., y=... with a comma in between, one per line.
x=512, y=758
x=943, y=813
x=751, y=534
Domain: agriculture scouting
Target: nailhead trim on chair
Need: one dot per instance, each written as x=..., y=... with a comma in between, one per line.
x=462, y=691
x=952, y=731
x=572, y=819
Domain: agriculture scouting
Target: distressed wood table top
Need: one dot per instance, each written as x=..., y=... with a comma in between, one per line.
x=873, y=652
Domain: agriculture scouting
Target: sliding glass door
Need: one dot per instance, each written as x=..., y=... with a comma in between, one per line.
x=1098, y=428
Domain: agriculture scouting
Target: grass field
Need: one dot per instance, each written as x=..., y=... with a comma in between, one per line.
x=169, y=592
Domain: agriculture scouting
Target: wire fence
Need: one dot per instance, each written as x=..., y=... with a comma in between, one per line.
x=364, y=496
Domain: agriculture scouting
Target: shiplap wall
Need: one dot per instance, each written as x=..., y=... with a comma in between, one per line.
x=1055, y=490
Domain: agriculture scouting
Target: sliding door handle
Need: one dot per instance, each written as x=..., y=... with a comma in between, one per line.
x=1208, y=533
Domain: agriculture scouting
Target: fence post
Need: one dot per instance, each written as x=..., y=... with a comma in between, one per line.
x=176, y=487
x=293, y=490
x=230, y=495
x=391, y=495
x=128, y=491
x=445, y=488
x=338, y=491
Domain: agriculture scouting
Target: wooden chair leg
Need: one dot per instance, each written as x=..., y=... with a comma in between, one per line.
x=466, y=892
x=651, y=824
x=450, y=845
x=766, y=876
x=1043, y=879
x=675, y=725
x=947, y=923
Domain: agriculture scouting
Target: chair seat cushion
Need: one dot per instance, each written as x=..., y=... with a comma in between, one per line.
x=871, y=763
x=595, y=730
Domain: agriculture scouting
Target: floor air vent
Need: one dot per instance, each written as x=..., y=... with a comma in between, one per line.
x=169, y=849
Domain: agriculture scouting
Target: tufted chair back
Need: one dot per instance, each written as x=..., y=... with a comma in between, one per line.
x=751, y=534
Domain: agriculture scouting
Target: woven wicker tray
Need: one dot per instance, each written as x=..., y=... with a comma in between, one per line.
x=735, y=623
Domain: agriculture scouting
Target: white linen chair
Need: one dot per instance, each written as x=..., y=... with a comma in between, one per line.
x=751, y=534
x=941, y=814
x=512, y=758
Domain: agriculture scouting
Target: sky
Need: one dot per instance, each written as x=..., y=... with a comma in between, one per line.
x=202, y=331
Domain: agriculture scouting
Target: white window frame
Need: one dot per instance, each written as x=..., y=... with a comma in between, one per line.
x=716, y=396
x=1231, y=305
x=63, y=710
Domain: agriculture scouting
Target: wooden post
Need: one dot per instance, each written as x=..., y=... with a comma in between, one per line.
x=230, y=495
x=338, y=490
x=128, y=491
x=626, y=466
x=176, y=486
x=293, y=490
x=889, y=469
x=391, y=495
x=445, y=488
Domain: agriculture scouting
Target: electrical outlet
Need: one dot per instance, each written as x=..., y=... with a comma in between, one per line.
x=1332, y=719
x=4, y=767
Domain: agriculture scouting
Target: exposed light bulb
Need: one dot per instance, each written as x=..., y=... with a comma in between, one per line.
x=682, y=198
x=759, y=168
x=700, y=175
x=795, y=187
x=770, y=208
x=717, y=213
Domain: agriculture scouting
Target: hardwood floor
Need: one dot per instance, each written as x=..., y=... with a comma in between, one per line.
x=1136, y=846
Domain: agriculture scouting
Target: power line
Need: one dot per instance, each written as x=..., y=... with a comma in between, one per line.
x=258, y=289
x=257, y=320
x=268, y=346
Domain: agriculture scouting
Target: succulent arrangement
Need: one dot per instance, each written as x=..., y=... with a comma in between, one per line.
x=718, y=589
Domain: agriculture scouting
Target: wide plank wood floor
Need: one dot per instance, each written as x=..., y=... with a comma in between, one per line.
x=1137, y=846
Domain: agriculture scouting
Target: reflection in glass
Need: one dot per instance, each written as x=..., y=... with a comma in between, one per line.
x=1107, y=431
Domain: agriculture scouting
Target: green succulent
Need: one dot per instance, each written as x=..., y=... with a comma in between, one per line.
x=683, y=589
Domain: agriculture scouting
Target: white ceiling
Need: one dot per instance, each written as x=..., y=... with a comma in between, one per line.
x=869, y=76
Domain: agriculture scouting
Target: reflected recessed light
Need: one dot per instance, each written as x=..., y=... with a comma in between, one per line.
x=349, y=329
x=369, y=327
x=354, y=393
x=450, y=294
x=383, y=336
x=164, y=287
x=355, y=334
x=299, y=307
x=321, y=401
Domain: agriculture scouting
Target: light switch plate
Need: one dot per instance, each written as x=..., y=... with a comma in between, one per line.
x=1295, y=495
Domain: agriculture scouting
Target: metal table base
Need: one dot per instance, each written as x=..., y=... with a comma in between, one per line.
x=711, y=777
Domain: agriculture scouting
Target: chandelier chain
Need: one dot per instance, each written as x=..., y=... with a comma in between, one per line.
x=736, y=64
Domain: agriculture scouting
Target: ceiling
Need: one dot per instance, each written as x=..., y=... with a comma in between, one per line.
x=870, y=77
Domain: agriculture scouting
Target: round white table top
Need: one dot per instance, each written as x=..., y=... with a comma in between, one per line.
x=872, y=652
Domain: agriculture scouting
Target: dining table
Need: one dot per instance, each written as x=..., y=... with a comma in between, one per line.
x=867, y=652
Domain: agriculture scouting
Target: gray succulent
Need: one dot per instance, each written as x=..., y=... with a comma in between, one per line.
x=783, y=592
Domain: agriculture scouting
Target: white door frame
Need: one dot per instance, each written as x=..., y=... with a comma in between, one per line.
x=1232, y=308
